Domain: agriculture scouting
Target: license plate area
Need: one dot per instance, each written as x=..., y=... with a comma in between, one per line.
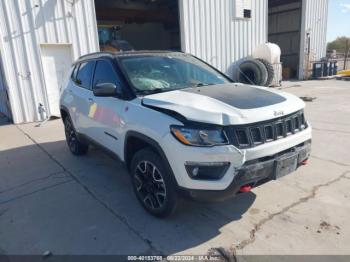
x=285, y=166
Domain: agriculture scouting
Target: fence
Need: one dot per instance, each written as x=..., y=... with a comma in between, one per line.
x=340, y=58
x=341, y=63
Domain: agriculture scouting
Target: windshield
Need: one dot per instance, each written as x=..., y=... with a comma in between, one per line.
x=156, y=73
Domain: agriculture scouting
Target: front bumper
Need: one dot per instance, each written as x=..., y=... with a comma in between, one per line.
x=178, y=155
x=256, y=172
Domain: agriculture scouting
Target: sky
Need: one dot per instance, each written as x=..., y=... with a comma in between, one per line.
x=338, y=19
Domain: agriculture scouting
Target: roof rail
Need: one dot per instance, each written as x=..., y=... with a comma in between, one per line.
x=121, y=53
x=96, y=53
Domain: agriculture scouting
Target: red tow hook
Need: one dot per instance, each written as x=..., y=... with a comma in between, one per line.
x=245, y=189
x=304, y=163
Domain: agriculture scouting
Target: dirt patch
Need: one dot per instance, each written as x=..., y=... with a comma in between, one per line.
x=308, y=98
x=325, y=226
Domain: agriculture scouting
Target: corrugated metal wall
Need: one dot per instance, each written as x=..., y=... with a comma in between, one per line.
x=210, y=31
x=24, y=25
x=314, y=21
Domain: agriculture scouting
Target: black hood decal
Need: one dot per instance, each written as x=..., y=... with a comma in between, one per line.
x=239, y=96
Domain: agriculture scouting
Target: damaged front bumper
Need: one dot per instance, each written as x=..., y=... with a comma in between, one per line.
x=256, y=172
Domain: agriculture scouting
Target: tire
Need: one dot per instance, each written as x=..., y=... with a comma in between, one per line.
x=154, y=185
x=270, y=71
x=75, y=146
x=251, y=72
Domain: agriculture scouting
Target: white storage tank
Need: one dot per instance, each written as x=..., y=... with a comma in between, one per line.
x=268, y=51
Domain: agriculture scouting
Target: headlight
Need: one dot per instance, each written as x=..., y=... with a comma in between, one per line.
x=194, y=136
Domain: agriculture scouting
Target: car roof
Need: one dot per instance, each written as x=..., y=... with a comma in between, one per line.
x=126, y=54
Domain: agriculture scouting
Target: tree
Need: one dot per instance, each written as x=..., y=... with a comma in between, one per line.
x=341, y=45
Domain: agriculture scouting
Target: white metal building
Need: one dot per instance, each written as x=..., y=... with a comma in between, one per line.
x=299, y=27
x=35, y=36
x=39, y=39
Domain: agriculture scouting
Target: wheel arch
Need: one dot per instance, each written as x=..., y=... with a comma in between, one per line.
x=64, y=112
x=135, y=141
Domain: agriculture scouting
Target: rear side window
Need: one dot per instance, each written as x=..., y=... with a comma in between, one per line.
x=85, y=73
x=104, y=73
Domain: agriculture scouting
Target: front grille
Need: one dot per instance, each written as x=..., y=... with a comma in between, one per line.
x=289, y=127
x=251, y=135
x=256, y=135
x=269, y=134
x=242, y=137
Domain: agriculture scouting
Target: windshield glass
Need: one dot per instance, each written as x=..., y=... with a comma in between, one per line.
x=156, y=73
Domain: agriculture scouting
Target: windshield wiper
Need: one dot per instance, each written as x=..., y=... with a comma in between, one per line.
x=203, y=84
x=154, y=91
x=162, y=90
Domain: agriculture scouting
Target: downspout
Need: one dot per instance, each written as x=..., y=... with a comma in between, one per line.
x=302, y=41
x=182, y=25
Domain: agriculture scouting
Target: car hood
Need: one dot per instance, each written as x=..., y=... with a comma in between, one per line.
x=226, y=104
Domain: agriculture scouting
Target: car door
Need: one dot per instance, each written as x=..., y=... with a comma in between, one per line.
x=83, y=97
x=107, y=112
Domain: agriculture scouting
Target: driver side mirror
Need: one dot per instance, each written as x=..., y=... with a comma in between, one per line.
x=107, y=90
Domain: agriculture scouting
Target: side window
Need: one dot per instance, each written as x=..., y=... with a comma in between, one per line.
x=104, y=73
x=74, y=73
x=85, y=73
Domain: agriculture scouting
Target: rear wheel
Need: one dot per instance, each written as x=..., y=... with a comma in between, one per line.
x=75, y=146
x=153, y=184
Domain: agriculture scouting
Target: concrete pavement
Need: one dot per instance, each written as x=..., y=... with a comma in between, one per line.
x=51, y=200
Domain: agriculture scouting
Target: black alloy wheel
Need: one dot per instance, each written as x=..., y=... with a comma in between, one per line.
x=75, y=146
x=150, y=185
x=154, y=184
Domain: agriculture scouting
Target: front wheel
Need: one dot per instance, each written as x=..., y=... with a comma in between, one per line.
x=154, y=185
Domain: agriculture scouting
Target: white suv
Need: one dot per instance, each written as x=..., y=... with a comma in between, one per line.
x=181, y=127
